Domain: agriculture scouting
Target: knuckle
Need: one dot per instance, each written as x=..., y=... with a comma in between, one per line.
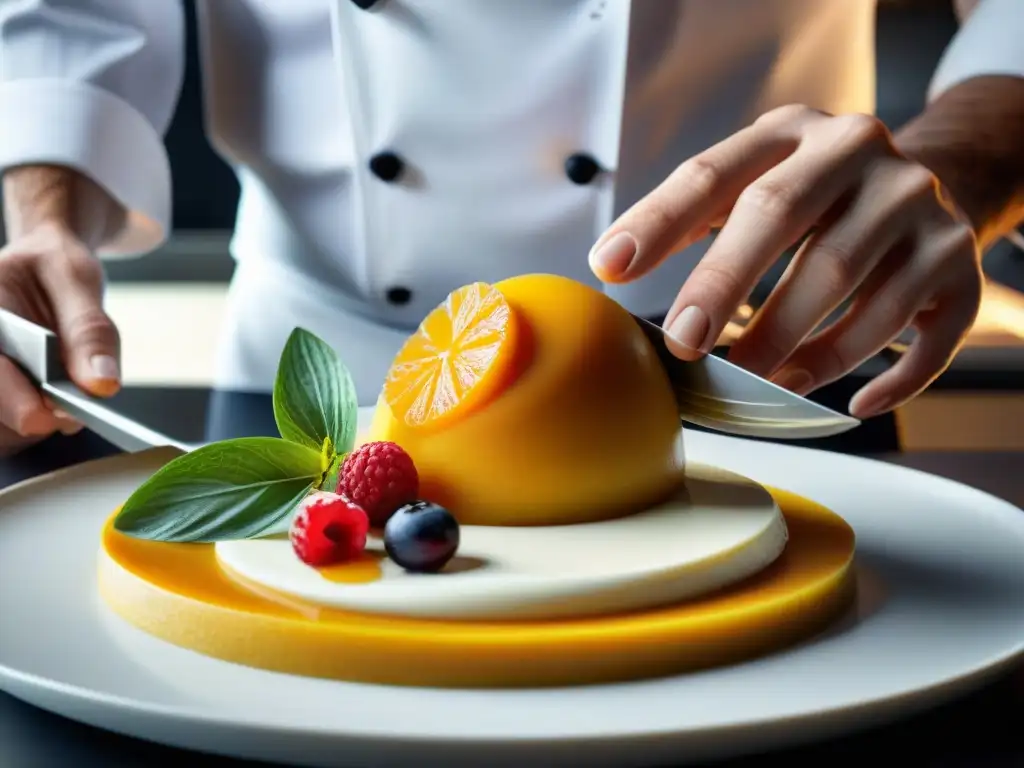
x=788, y=113
x=768, y=198
x=861, y=129
x=657, y=216
x=84, y=269
x=894, y=309
x=716, y=282
x=702, y=175
x=916, y=183
x=92, y=325
x=835, y=359
x=836, y=272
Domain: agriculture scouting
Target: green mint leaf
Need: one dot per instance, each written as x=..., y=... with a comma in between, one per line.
x=314, y=396
x=230, y=490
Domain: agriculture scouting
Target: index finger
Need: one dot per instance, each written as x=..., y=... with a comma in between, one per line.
x=770, y=215
x=681, y=209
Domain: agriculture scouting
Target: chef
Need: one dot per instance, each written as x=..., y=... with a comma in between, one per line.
x=391, y=151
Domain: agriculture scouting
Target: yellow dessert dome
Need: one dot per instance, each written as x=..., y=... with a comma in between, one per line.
x=535, y=401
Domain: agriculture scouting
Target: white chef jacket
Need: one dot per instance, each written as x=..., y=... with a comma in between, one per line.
x=391, y=151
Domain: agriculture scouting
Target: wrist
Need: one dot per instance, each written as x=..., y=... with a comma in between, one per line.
x=956, y=168
x=58, y=202
x=956, y=188
x=970, y=139
x=48, y=235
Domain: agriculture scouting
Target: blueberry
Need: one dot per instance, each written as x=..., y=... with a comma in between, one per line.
x=421, y=537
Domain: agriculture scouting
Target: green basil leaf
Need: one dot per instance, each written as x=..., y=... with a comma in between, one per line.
x=314, y=395
x=230, y=490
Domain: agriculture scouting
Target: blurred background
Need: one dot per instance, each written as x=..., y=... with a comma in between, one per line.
x=168, y=304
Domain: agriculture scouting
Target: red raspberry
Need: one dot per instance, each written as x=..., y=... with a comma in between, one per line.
x=380, y=477
x=328, y=529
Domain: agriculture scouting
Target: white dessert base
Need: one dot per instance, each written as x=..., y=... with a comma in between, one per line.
x=722, y=529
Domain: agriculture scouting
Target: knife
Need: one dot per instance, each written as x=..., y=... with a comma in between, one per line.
x=711, y=392
x=719, y=395
x=37, y=351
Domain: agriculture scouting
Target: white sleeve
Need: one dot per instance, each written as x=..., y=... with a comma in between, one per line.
x=92, y=85
x=990, y=42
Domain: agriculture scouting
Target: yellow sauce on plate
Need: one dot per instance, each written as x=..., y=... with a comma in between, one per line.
x=178, y=593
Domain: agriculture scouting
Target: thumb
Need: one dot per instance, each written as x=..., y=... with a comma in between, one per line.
x=89, y=339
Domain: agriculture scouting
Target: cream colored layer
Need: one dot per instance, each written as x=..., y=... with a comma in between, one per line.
x=719, y=531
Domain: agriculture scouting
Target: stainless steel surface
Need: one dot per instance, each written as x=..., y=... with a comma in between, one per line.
x=31, y=346
x=126, y=434
x=37, y=351
x=716, y=394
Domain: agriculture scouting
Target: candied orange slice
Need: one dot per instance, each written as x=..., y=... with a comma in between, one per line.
x=460, y=357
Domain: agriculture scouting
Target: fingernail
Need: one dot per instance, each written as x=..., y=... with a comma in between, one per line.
x=799, y=380
x=690, y=328
x=865, y=405
x=614, y=256
x=60, y=414
x=105, y=368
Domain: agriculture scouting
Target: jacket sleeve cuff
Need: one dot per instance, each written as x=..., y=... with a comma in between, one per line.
x=75, y=124
x=990, y=42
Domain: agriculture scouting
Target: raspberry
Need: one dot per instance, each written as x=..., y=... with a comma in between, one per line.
x=380, y=477
x=328, y=529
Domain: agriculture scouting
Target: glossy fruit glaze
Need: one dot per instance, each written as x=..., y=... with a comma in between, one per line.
x=178, y=593
x=589, y=418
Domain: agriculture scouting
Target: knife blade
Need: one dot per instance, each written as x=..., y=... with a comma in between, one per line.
x=712, y=393
x=719, y=395
x=37, y=351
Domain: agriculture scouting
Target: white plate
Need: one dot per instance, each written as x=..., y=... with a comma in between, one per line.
x=721, y=530
x=941, y=606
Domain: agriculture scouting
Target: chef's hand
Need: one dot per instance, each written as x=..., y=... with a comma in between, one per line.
x=48, y=276
x=884, y=232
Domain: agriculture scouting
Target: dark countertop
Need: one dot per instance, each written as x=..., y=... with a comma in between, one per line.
x=979, y=730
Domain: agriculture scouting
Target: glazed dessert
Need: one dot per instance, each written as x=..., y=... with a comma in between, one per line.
x=537, y=401
x=518, y=513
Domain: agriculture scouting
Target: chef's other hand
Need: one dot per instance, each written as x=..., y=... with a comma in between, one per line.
x=48, y=276
x=883, y=233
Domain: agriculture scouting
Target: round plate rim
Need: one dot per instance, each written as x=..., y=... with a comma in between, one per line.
x=197, y=714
